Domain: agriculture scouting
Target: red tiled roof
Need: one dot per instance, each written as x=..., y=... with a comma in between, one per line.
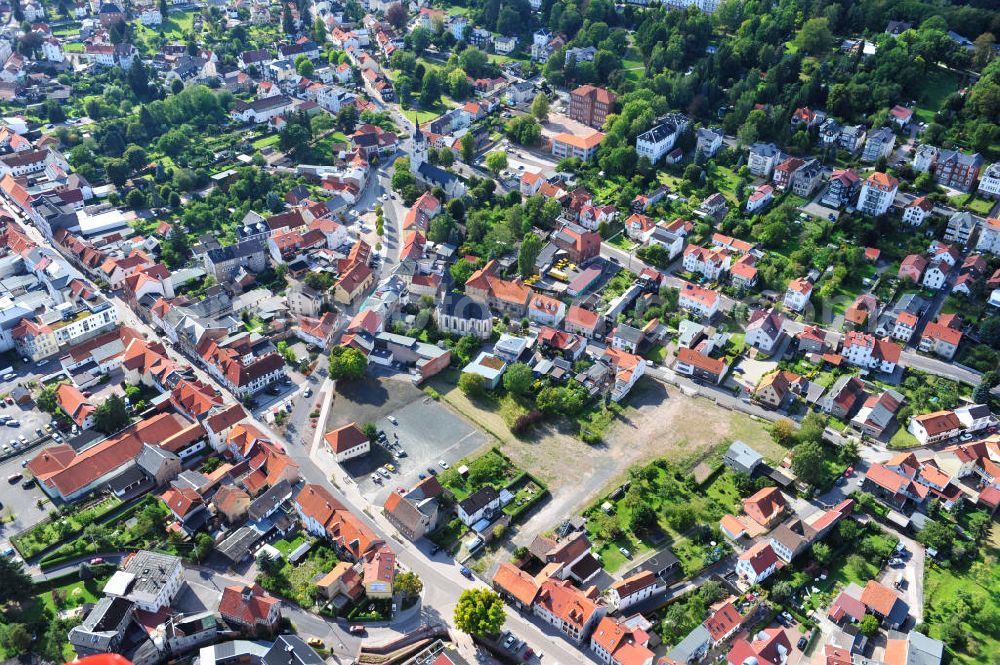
x=68, y=472
x=761, y=556
x=341, y=525
x=345, y=438
x=723, y=621
x=247, y=605
x=691, y=357
x=181, y=501
x=878, y=598
x=517, y=583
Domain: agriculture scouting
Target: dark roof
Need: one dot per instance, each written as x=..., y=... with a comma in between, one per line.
x=479, y=499
x=659, y=563
x=462, y=306
x=240, y=249
x=265, y=504
x=436, y=175
x=291, y=650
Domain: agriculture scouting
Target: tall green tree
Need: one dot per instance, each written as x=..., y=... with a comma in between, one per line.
x=531, y=247
x=807, y=462
x=111, y=415
x=480, y=612
x=468, y=148
x=347, y=363
x=540, y=107
x=17, y=584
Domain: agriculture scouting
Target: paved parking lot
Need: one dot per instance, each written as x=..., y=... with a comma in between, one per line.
x=429, y=433
x=28, y=416
x=19, y=502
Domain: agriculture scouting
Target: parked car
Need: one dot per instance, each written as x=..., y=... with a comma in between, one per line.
x=803, y=641
x=465, y=571
x=14, y=477
x=392, y=419
x=443, y=464
x=357, y=629
x=315, y=643
x=28, y=484
x=625, y=552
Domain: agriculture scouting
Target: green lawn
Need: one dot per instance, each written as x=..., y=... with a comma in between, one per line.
x=73, y=594
x=175, y=26
x=73, y=47
x=980, y=206
x=622, y=241
x=902, y=439
x=936, y=87
x=286, y=547
x=969, y=596
x=266, y=141
x=657, y=354
x=490, y=468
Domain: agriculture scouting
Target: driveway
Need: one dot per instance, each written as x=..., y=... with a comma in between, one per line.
x=911, y=574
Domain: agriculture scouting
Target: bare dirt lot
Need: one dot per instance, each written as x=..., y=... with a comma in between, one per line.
x=659, y=421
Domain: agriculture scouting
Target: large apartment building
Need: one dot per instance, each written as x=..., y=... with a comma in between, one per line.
x=591, y=105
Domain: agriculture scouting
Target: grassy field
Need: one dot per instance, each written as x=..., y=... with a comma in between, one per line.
x=663, y=488
x=73, y=47
x=266, y=141
x=633, y=66
x=174, y=26
x=971, y=596
x=286, y=547
x=937, y=86
x=980, y=206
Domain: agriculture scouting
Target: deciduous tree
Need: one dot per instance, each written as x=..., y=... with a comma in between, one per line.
x=348, y=364
x=480, y=611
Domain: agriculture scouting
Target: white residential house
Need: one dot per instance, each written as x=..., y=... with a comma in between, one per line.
x=760, y=198
x=52, y=50
x=763, y=158
x=924, y=157
x=879, y=144
x=877, y=194
x=635, y=589
x=765, y=329
x=708, y=262
x=917, y=210
x=709, y=141
x=700, y=300
x=757, y=563
x=904, y=326
x=865, y=350
x=660, y=140
x=989, y=181
x=504, y=45
x=960, y=228
x=261, y=110
x=797, y=294
x=478, y=505
x=975, y=417
x=150, y=15
x=989, y=236
x=936, y=275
